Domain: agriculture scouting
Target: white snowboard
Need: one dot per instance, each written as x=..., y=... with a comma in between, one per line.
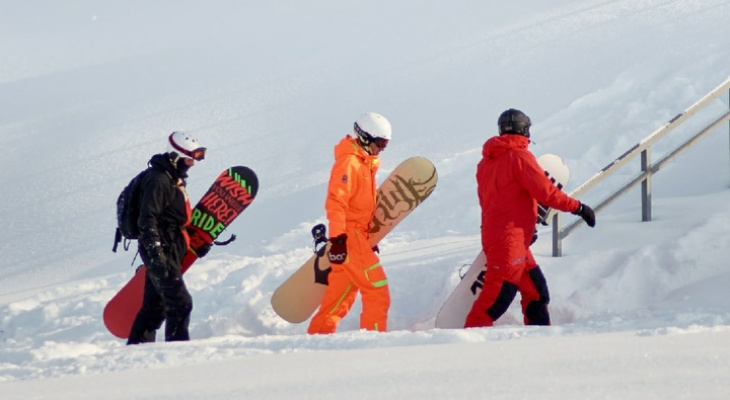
x=453, y=313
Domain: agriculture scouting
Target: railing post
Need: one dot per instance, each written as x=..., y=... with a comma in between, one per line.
x=557, y=242
x=646, y=186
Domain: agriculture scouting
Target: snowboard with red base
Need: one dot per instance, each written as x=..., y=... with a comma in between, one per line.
x=457, y=306
x=410, y=183
x=231, y=193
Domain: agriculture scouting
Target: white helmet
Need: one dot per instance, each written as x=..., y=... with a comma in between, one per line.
x=185, y=146
x=372, y=126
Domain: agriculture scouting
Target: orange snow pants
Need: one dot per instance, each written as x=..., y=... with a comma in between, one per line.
x=361, y=272
x=501, y=285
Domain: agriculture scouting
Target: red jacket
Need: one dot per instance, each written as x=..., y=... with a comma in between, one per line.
x=510, y=183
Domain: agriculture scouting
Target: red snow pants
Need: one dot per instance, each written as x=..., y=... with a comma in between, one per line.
x=502, y=281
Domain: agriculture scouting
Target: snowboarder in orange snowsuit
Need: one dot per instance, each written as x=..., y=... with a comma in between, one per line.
x=510, y=183
x=350, y=206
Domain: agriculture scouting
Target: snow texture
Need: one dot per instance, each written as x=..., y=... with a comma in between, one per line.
x=89, y=90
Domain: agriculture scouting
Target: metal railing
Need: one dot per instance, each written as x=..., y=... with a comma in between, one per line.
x=647, y=169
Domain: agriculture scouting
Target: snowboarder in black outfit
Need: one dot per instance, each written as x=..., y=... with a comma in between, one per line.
x=163, y=241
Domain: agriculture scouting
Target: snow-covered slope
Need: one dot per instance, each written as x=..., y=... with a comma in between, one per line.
x=89, y=91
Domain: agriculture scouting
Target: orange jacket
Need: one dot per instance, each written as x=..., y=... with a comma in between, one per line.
x=351, y=193
x=510, y=184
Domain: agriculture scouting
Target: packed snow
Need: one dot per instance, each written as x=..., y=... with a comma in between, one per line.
x=89, y=91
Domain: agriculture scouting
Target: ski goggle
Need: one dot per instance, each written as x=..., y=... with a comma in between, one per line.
x=197, y=154
x=381, y=143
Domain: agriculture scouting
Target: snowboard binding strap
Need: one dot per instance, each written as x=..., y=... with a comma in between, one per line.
x=319, y=234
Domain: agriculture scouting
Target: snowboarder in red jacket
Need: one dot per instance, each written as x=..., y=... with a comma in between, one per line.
x=510, y=184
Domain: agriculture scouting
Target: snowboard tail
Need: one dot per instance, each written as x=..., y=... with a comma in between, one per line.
x=231, y=193
x=410, y=183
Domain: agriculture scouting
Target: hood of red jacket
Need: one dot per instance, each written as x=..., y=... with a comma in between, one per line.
x=498, y=145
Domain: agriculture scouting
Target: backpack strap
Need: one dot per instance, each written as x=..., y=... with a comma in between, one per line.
x=117, y=239
x=135, y=257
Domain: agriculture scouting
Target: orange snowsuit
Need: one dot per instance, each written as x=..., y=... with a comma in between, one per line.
x=350, y=206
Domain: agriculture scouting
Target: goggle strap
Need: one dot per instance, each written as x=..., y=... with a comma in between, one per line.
x=364, y=135
x=366, y=138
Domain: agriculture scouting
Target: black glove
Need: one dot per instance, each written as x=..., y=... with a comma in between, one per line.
x=338, y=250
x=203, y=250
x=534, y=237
x=587, y=214
x=376, y=249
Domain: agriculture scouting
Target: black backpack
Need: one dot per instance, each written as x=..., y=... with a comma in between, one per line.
x=128, y=212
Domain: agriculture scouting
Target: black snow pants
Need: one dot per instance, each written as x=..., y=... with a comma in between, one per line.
x=165, y=299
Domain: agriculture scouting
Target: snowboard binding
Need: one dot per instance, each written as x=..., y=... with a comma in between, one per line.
x=319, y=235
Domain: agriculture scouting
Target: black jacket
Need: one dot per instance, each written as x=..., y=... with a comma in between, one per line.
x=163, y=212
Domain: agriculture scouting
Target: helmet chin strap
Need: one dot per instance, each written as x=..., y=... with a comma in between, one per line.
x=178, y=162
x=365, y=146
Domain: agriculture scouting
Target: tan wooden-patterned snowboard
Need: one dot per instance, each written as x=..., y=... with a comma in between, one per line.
x=410, y=183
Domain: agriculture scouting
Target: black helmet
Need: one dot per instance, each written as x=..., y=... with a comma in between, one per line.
x=514, y=122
